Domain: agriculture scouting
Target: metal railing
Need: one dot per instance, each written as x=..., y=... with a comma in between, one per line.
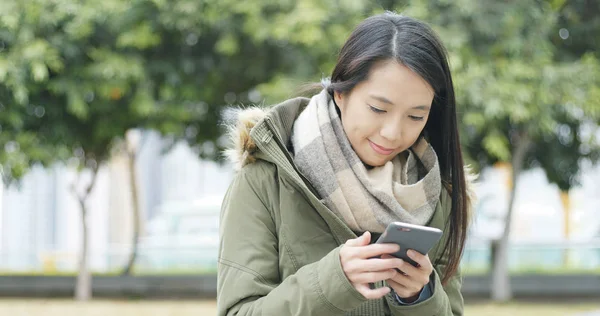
x=537, y=257
x=527, y=257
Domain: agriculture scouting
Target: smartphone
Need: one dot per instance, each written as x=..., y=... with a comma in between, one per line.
x=409, y=236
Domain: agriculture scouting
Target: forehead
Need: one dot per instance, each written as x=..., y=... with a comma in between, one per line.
x=397, y=83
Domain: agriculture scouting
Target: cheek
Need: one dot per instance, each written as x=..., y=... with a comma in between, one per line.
x=362, y=128
x=411, y=134
x=416, y=133
x=417, y=136
x=353, y=125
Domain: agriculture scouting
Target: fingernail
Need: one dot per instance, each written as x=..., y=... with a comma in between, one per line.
x=410, y=253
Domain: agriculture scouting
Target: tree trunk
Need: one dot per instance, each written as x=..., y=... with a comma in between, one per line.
x=131, y=157
x=501, y=290
x=566, y=202
x=83, y=286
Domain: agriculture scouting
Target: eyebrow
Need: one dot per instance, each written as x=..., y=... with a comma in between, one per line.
x=385, y=100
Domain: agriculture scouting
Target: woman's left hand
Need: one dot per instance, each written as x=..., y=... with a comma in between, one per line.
x=408, y=286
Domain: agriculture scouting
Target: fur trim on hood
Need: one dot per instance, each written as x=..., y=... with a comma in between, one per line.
x=242, y=147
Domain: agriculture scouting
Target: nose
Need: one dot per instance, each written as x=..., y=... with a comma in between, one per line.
x=391, y=131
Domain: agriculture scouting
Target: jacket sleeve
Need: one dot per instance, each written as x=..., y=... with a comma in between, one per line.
x=248, y=281
x=425, y=294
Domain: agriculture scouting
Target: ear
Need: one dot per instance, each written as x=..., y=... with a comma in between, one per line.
x=339, y=99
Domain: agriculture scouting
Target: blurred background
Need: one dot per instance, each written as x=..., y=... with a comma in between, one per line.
x=112, y=128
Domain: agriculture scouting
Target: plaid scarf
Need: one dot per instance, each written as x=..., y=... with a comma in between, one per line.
x=405, y=189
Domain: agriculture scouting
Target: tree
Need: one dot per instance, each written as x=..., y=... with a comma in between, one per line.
x=75, y=76
x=517, y=98
x=579, y=22
x=73, y=81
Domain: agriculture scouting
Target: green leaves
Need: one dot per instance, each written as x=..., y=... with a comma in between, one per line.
x=143, y=102
x=141, y=37
x=76, y=105
x=496, y=143
x=227, y=45
x=509, y=81
x=78, y=74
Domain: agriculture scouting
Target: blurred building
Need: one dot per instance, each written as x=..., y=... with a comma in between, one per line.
x=539, y=236
x=539, y=214
x=40, y=218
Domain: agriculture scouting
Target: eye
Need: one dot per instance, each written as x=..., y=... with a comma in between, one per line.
x=416, y=118
x=376, y=110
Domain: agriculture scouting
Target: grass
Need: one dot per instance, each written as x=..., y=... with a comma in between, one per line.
x=102, y=308
x=529, y=308
x=114, y=273
x=22, y=307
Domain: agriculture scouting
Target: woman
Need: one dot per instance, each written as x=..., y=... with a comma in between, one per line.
x=319, y=179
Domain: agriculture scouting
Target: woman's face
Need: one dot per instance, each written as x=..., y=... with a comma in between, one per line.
x=385, y=114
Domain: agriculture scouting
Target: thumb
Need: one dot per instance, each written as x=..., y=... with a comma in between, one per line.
x=364, y=239
x=361, y=240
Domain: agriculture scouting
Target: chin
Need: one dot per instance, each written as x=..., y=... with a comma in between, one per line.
x=373, y=162
x=379, y=164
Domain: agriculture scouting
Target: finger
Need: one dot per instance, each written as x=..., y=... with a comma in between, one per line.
x=366, y=238
x=375, y=250
x=361, y=240
x=400, y=264
x=400, y=289
x=407, y=282
x=419, y=274
x=396, y=286
x=353, y=242
x=375, y=265
x=372, y=277
x=409, y=269
x=422, y=260
x=373, y=294
x=417, y=277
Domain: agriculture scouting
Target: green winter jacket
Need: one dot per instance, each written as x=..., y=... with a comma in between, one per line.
x=279, y=244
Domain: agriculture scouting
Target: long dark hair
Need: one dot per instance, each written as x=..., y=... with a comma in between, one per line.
x=415, y=45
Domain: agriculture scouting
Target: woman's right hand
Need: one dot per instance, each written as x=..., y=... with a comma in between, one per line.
x=361, y=270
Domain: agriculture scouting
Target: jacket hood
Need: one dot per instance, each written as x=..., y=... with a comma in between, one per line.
x=243, y=147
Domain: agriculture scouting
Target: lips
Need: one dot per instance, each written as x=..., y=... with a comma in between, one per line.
x=380, y=150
